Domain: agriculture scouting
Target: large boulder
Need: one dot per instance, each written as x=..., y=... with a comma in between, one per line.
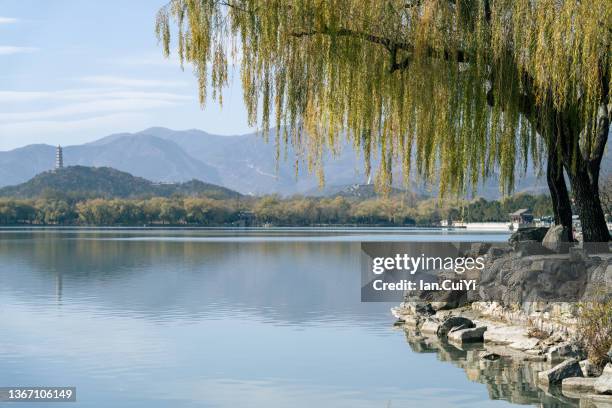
x=515, y=337
x=528, y=234
x=568, y=368
x=578, y=384
x=454, y=322
x=603, y=384
x=557, y=239
x=472, y=335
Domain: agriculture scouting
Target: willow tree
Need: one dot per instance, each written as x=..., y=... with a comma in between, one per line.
x=457, y=90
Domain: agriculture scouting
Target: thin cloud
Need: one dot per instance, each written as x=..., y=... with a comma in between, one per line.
x=129, y=82
x=75, y=130
x=38, y=115
x=8, y=20
x=87, y=108
x=12, y=49
x=87, y=94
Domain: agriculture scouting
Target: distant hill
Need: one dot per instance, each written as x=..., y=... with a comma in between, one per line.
x=147, y=156
x=244, y=163
x=105, y=182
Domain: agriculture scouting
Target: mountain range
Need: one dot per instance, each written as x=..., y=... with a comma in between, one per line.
x=244, y=163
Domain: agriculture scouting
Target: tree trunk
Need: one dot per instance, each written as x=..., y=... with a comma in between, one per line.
x=586, y=196
x=562, y=207
x=582, y=166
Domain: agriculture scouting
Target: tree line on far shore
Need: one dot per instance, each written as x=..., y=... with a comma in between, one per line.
x=267, y=210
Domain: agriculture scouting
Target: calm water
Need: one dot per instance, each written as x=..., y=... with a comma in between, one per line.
x=208, y=318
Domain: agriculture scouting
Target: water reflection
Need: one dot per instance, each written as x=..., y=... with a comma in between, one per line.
x=290, y=283
x=510, y=378
x=163, y=322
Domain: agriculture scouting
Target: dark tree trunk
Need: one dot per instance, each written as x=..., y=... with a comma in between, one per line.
x=569, y=142
x=586, y=196
x=561, y=204
x=582, y=162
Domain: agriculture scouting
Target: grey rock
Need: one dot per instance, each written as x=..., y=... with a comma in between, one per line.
x=556, y=239
x=522, y=280
x=528, y=234
x=443, y=300
x=454, y=322
x=561, y=352
x=430, y=326
x=554, y=338
x=603, y=384
x=412, y=308
x=479, y=248
x=495, y=252
x=412, y=321
x=513, y=336
x=529, y=248
x=447, y=300
x=589, y=369
x=467, y=335
x=568, y=368
x=577, y=254
x=578, y=384
x=424, y=309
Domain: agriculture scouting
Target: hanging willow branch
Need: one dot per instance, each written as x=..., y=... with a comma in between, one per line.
x=459, y=87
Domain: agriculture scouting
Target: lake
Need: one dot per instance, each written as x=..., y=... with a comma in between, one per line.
x=216, y=318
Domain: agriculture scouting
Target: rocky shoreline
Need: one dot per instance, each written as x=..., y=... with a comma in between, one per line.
x=553, y=368
x=540, y=339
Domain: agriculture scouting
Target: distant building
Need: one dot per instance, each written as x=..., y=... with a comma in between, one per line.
x=59, y=158
x=521, y=218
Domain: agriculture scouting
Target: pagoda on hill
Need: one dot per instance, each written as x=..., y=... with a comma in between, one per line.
x=59, y=158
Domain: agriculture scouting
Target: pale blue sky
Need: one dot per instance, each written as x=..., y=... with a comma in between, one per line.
x=72, y=71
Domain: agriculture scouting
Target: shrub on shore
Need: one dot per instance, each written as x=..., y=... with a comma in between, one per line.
x=595, y=325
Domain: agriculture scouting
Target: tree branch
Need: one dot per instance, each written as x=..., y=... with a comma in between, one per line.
x=346, y=32
x=393, y=46
x=403, y=64
x=229, y=4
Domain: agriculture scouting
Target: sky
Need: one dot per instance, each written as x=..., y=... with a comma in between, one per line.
x=72, y=71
